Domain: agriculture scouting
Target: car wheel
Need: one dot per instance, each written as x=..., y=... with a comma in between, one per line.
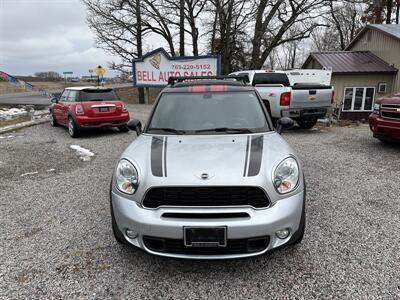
x=384, y=141
x=306, y=123
x=123, y=128
x=52, y=120
x=72, y=129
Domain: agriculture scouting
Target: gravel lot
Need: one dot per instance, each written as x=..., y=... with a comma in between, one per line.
x=56, y=239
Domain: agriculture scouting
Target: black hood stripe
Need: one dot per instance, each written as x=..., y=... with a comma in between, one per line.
x=256, y=151
x=247, y=156
x=156, y=156
x=165, y=156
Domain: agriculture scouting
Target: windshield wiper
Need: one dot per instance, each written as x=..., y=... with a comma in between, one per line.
x=173, y=130
x=225, y=129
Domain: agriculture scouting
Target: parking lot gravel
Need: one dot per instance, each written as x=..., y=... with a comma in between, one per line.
x=56, y=239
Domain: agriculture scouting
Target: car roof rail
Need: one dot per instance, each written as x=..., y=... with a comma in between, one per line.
x=239, y=78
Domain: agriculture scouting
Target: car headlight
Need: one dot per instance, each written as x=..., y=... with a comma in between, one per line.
x=286, y=175
x=126, y=177
x=377, y=107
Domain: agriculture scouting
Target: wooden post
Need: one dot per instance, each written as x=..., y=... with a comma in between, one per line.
x=147, y=96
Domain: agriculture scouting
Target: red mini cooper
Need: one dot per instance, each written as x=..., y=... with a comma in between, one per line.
x=81, y=108
x=385, y=120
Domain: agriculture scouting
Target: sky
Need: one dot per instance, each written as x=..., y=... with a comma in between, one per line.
x=47, y=35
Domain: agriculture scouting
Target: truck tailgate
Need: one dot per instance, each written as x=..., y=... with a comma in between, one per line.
x=272, y=94
x=307, y=97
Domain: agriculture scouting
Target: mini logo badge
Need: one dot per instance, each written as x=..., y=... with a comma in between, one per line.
x=312, y=98
x=204, y=176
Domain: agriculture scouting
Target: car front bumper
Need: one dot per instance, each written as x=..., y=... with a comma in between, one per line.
x=285, y=213
x=384, y=128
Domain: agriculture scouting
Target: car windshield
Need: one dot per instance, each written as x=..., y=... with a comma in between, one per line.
x=208, y=113
x=99, y=95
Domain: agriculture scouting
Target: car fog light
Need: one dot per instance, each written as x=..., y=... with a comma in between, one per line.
x=132, y=234
x=283, y=233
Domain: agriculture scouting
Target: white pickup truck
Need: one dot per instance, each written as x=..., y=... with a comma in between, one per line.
x=303, y=95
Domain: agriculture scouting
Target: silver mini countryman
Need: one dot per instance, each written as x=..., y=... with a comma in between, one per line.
x=208, y=177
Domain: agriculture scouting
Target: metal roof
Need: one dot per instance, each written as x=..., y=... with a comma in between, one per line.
x=342, y=62
x=392, y=30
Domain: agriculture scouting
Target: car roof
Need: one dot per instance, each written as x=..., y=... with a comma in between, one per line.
x=206, y=86
x=80, y=88
x=259, y=71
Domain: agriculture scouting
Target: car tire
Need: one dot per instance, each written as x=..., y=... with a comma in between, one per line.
x=53, y=122
x=299, y=234
x=123, y=128
x=119, y=237
x=384, y=141
x=72, y=128
x=306, y=123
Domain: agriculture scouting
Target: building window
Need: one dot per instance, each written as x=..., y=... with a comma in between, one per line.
x=358, y=98
x=382, y=87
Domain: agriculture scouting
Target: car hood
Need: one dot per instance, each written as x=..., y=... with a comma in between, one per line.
x=207, y=159
x=389, y=100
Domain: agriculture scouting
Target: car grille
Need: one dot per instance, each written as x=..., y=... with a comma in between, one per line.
x=206, y=196
x=390, y=111
x=391, y=114
x=234, y=246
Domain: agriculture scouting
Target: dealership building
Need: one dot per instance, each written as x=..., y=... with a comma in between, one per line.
x=365, y=71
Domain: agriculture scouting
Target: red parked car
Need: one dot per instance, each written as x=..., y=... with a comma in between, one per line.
x=81, y=108
x=385, y=120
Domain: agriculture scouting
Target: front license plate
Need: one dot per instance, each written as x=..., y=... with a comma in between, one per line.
x=204, y=236
x=103, y=109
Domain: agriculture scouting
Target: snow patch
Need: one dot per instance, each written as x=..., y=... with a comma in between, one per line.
x=10, y=113
x=83, y=153
x=29, y=173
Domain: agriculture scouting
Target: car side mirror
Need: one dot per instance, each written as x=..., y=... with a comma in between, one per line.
x=284, y=123
x=54, y=100
x=135, y=125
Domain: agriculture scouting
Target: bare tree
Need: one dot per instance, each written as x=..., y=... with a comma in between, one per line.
x=189, y=12
x=158, y=21
x=48, y=75
x=228, y=31
x=182, y=27
x=380, y=11
x=273, y=19
x=117, y=25
x=343, y=21
x=346, y=20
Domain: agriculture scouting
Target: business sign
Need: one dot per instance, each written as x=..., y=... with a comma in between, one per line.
x=155, y=67
x=68, y=73
x=100, y=71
